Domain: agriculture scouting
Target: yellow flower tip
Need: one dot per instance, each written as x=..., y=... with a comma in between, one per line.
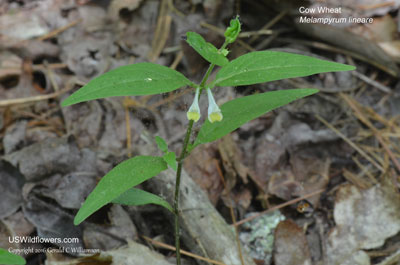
x=192, y=115
x=214, y=112
x=194, y=110
x=215, y=116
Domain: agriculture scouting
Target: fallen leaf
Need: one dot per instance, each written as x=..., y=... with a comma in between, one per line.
x=11, y=182
x=51, y=221
x=134, y=254
x=15, y=225
x=364, y=220
x=201, y=166
x=111, y=236
x=15, y=136
x=290, y=245
x=117, y=7
x=54, y=155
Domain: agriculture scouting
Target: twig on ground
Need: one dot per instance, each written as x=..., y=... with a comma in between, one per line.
x=351, y=143
x=59, y=30
x=371, y=82
x=233, y=217
x=8, y=102
x=376, y=132
x=162, y=31
x=278, y=207
x=183, y=252
x=269, y=25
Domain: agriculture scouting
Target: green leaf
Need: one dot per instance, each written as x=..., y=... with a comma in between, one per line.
x=141, y=197
x=162, y=144
x=10, y=258
x=170, y=159
x=264, y=66
x=130, y=80
x=241, y=110
x=208, y=51
x=126, y=175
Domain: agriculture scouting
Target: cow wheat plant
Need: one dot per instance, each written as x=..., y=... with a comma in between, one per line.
x=117, y=186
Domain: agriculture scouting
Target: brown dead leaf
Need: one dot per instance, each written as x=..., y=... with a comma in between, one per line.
x=308, y=167
x=110, y=237
x=12, y=226
x=11, y=182
x=364, y=220
x=15, y=136
x=10, y=65
x=118, y=7
x=231, y=161
x=307, y=173
x=54, y=155
x=311, y=169
x=290, y=245
x=283, y=184
x=134, y=254
x=51, y=221
x=392, y=48
x=201, y=167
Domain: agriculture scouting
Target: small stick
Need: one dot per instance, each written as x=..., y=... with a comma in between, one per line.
x=187, y=253
x=392, y=259
x=364, y=120
x=8, y=102
x=347, y=140
x=177, y=60
x=269, y=24
x=231, y=211
x=59, y=30
x=278, y=207
x=371, y=82
x=128, y=132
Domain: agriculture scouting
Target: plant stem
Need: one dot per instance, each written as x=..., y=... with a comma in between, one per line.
x=179, y=173
x=182, y=156
x=177, y=189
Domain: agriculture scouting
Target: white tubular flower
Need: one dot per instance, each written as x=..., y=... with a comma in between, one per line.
x=194, y=110
x=214, y=112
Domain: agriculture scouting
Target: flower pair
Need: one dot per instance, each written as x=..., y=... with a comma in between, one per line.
x=214, y=112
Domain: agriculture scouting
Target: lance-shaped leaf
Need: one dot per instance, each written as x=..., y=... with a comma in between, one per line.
x=126, y=175
x=162, y=144
x=130, y=80
x=10, y=258
x=140, y=197
x=170, y=159
x=241, y=110
x=208, y=51
x=264, y=66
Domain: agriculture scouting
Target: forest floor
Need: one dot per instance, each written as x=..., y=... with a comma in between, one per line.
x=315, y=182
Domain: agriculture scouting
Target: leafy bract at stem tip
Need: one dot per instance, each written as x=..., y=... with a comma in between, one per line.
x=233, y=30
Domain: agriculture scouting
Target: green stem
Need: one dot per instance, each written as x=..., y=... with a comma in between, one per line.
x=180, y=164
x=177, y=189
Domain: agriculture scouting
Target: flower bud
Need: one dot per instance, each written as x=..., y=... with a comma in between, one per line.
x=194, y=110
x=233, y=30
x=214, y=112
